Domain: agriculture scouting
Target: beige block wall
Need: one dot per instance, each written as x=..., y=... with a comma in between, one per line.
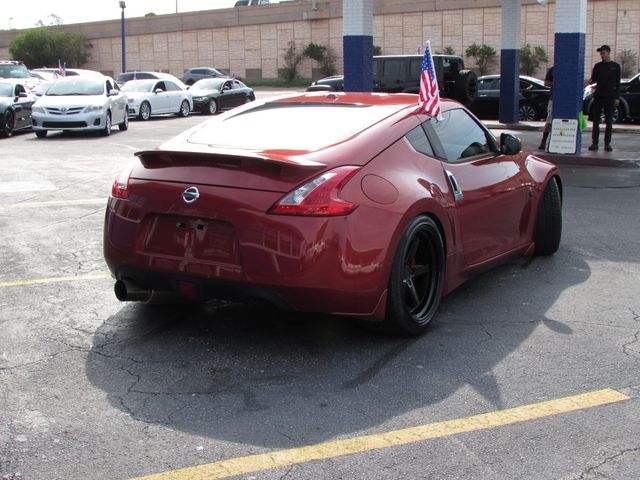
x=235, y=40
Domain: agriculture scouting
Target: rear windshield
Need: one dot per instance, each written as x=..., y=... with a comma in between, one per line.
x=77, y=86
x=290, y=126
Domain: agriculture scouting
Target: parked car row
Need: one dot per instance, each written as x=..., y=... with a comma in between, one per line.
x=88, y=100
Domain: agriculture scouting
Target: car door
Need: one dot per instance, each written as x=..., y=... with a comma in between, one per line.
x=23, y=103
x=226, y=98
x=492, y=192
x=237, y=93
x=117, y=103
x=175, y=95
x=486, y=103
x=160, y=101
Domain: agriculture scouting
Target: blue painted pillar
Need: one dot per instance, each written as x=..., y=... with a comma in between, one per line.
x=568, y=62
x=357, y=27
x=510, y=61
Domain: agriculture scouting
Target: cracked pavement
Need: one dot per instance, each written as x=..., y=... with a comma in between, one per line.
x=94, y=388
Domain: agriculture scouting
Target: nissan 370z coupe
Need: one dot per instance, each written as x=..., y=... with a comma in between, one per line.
x=352, y=204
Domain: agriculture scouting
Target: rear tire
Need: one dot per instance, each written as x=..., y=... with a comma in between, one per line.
x=9, y=124
x=549, y=221
x=417, y=278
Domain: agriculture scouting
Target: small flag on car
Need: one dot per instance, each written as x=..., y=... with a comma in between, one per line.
x=61, y=70
x=429, y=97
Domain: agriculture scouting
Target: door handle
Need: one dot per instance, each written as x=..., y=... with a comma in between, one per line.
x=457, y=192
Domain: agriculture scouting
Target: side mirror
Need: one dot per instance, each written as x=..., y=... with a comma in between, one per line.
x=158, y=90
x=23, y=95
x=113, y=92
x=509, y=144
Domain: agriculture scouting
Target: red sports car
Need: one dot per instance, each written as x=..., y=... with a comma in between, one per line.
x=346, y=203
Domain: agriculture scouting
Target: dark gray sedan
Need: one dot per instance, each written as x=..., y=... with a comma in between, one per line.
x=210, y=95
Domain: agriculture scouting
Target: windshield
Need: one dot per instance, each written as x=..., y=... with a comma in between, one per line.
x=138, y=86
x=14, y=71
x=208, y=84
x=77, y=86
x=6, y=90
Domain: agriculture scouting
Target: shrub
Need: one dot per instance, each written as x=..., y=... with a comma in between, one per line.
x=483, y=55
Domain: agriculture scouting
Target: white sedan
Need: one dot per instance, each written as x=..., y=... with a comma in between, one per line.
x=78, y=103
x=157, y=96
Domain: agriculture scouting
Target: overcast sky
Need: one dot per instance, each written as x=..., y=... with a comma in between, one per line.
x=25, y=14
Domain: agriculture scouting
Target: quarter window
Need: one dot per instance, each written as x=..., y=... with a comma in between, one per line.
x=419, y=141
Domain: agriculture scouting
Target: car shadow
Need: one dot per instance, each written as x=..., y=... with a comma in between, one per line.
x=272, y=379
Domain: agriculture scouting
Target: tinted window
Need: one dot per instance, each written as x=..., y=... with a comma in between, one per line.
x=391, y=68
x=525, y=85
x=415, y=68
x=460, y=135
x=487, y=84
x=419, y=141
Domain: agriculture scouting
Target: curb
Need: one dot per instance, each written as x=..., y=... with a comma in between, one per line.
x=567, y=159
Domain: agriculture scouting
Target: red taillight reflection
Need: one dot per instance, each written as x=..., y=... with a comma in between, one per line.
x=319, y=197
x=120, y=187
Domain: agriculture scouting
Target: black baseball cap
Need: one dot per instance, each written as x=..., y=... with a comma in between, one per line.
x=604, y=48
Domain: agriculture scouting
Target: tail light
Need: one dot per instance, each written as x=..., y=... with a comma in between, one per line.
x=120, y=187
x=319, y=197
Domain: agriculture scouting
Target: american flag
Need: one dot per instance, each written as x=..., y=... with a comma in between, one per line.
x=429, y=98
x=61, y=70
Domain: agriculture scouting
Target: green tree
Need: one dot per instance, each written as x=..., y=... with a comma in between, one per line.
x=448, y=50
x=292, y=59
x=39, y=47
x=627, y=60
x=324, y=56
x=377, y=50
x=531, y=59
x=484, y=55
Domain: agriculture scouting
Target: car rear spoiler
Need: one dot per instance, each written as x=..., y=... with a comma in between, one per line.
x=230, y=158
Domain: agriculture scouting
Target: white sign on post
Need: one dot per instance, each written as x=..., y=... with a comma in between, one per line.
x=563, y=136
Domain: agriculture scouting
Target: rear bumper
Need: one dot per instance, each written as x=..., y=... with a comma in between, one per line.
x=332, y=265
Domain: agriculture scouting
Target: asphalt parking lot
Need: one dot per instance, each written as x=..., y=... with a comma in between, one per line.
x=91, y=388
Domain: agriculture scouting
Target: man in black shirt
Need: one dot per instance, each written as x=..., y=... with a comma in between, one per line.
x=548, y=81
x=606, y=76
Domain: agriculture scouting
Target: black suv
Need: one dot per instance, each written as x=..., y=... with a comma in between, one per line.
x=401, y=73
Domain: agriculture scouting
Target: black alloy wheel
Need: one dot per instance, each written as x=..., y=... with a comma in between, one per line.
x=549, y=220
x=527, y=112
x=9, y=124
x=125, y=123
x=417, y=278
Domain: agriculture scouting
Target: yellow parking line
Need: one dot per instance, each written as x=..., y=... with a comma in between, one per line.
x=282, y=458
x=41, y=281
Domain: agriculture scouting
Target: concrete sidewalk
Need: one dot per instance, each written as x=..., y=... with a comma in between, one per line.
x=625, y=143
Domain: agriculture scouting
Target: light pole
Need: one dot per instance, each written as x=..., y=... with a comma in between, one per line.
x=10, y=18
x=124, y=58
